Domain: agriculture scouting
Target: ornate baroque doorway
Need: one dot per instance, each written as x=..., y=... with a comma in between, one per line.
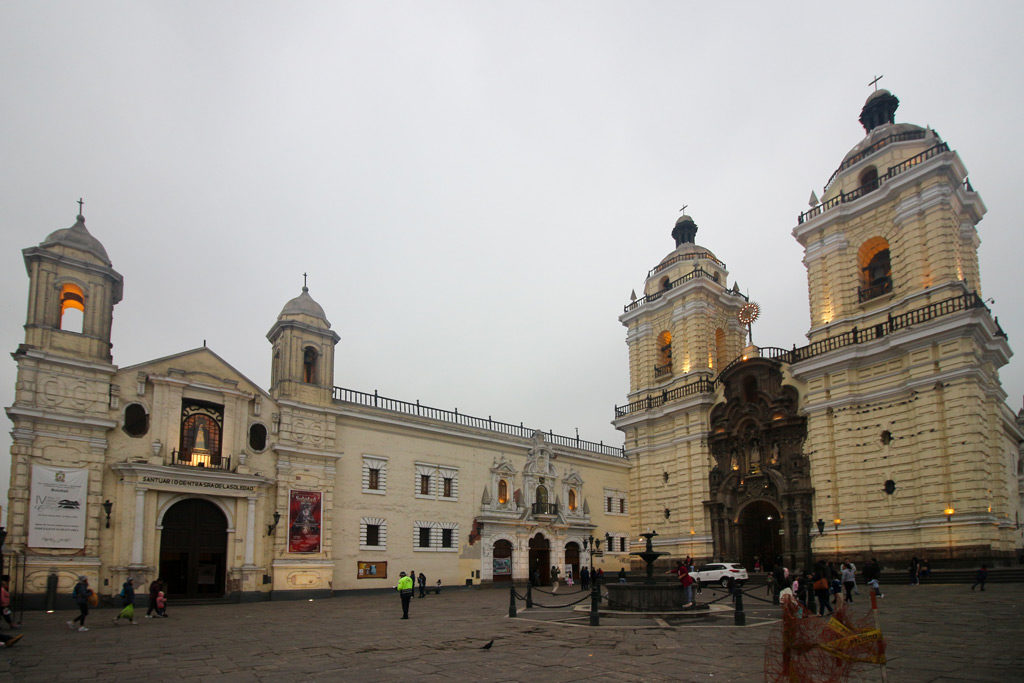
x=760, y=470
x=502, y=562
x=193, y=550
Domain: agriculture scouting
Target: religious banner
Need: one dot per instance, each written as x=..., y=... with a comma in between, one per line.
x=57, y=507
x=372, y=570
x=304, y=515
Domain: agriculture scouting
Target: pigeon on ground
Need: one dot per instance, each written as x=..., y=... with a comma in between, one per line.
x=488, y=645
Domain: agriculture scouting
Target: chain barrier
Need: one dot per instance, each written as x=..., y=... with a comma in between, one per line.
x=534, y=603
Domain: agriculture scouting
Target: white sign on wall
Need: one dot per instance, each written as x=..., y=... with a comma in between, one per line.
x=57, y=507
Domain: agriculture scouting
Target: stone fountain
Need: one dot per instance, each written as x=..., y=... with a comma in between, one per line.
x=651, y=595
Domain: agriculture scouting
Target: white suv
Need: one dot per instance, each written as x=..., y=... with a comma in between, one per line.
x=720, y=572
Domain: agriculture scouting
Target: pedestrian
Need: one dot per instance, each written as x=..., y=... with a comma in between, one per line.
x=405, y=591
x=438, y=589
x=980, y=578
x=127, y=603
x=155, y=586
x=872, y=573
x=600, y=577
x=915, y=571
x=585, y=578
x=422, y=580
x=568, y=578
x=821, y=589
x=622, y=575
x=926, y=570
x=5, y=601
x=853, y=568
x=554, y=579
x=686, y=581
x=849, y=582
x=161, y=605
x=81, y=594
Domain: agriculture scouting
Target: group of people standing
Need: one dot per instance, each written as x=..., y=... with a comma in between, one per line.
x=825, y=584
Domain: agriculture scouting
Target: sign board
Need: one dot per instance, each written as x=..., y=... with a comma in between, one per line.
x=304, y=516
x=371, y=570
x=57, y=507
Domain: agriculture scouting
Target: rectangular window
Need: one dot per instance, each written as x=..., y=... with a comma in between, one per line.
x=446, y=538
x=375, y=474
x=374, y=480
x=372, y=534
x=424, y=537
x=447, y=487
x=622, y=544
x=608, y=504
x=425, y=484
x=622, y=506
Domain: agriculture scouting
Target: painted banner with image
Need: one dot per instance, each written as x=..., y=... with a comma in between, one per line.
x=57, y=507
x=304, y=517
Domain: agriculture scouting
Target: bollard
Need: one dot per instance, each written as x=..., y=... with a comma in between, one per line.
x=512, y=602
x=529, y=596
x=739, y=618
x=51, y=592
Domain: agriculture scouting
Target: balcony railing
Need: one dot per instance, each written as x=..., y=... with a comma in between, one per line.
x=691, y=256
x=697, y=272
x=545, y=508
x=863, y=154
x=844, y=197
x=662, y=371
x=950, y=306
x=877, y=288
x=520, y=430
x=208, y=461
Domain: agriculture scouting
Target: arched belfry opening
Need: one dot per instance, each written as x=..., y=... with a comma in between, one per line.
x=760, y=482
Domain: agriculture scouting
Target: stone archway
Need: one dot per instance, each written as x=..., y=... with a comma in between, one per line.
x=193, y=549
x=759, y=470
x=501, y=562
x=540, y=559
x=572, y=559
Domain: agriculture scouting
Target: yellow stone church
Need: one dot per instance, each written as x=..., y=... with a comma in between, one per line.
x=887, y=435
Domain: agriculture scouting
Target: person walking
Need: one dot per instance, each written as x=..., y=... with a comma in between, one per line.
x=849, y=581
x=980, y=578
x=5, y=602
x=80, y=594
x=161, y=604
x=915, y=571
x=820, y=586
x=872, y=574
x=585, y=578
x=405, y=591
x=554, y=579
x=422, y=581
x=155, y=586
x=686, y=581
x=127, y=603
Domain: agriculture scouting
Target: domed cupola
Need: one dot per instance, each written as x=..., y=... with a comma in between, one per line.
x=685, y=231
x=879, y=109
x=78, y=239
x=304, y=305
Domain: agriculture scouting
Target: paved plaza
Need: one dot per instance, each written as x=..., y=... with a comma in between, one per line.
x=934, y=633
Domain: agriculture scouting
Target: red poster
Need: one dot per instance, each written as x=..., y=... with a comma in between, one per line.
x=304, y=515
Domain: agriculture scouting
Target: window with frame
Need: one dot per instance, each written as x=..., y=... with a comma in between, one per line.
x=447, y=538
x=424, y=484
x=373, y=533
x=374, y=474
x=424, y=537
x=447, y=488
x=503, y=491
x=615, y=502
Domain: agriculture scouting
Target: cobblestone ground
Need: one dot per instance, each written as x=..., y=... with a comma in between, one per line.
x=935, y=633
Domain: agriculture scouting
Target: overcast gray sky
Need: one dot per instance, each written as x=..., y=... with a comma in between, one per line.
x=474, y=188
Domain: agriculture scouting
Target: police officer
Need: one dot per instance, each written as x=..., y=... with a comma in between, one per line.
x=405, y=590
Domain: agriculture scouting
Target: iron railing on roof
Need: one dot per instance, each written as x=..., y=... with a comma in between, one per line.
x=690, y=256
x=375, y=400
x=697, y=272
x=863, y=154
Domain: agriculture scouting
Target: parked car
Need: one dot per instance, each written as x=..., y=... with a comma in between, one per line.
x=720, y=572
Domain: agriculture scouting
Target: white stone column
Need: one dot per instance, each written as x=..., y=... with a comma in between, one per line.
x=140, y=520
x=250, y=533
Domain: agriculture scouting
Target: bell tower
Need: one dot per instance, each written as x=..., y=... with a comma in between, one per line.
x=680, y=335
x=906, y=416
x=303, y=342
x=64, y=400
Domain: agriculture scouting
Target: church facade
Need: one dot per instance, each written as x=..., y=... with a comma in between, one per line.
x=183, y=468
x=887, y=435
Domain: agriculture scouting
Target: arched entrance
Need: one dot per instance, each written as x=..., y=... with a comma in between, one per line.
x=193, y=549
x=572, y=559
x=759, y=526
x=501, y=568
x=540, y=559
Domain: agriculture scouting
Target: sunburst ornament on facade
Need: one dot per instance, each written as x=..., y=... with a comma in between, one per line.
x=748, y=313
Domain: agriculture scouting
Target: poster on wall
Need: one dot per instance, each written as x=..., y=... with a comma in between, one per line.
x=57, y=507
x=502, y=566
x=371, y=570
x=304, y=514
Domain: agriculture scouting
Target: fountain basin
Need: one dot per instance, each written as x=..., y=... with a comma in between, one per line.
x=645, y=597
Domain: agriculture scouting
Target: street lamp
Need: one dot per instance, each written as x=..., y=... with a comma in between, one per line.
x=593, y=544
x=837, y=522
x=821, y=526
x=949, y=530
x=107, y=507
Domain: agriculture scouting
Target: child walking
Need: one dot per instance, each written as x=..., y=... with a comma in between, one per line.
x=161, y=604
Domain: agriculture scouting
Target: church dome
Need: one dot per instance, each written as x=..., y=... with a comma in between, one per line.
x=304, y=304
x=78, y=238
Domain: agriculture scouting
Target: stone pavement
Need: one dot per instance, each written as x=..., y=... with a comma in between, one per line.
x=934, y=633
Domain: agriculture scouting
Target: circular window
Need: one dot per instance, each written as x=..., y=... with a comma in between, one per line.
x=136, y=421
x=257, y=436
